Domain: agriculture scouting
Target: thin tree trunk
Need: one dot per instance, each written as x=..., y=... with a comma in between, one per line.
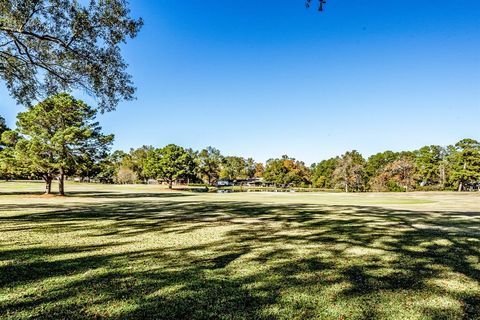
x=460, y=186
x=442, y=176
x=170, y=183
x=61, y=183
x=48, y=185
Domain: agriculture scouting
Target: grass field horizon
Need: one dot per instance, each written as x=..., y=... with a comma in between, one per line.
x=139, y=251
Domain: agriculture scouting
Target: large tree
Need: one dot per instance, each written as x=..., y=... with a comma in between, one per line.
x=235, y=168
x=398, y=175
x=349, y=172
x=322, y=173
x=465, y=160
x=375, y=163
x=209, y=164
x=286, y=171
x=56, y=135
x=50, y=46
x=168, y=163
x=430, y=163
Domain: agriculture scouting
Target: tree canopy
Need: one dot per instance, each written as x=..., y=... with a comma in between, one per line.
x=466, y=164
x=3, y=128
x=286, y=171
x=349, y=171
x=51, y=46
x=209, y=163
x=168, y=163
x=3, y=125
x=57, y=136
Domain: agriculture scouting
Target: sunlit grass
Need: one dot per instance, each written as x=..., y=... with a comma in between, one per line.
x=143, y=252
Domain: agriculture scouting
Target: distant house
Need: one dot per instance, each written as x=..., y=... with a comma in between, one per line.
x=251, y=182
x=256, y=182
x=225, y=183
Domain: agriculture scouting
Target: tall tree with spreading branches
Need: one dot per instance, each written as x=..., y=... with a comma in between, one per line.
x=349, y=171
x=52, y=46
x=168, y=163
x=57, y=135
x=465, y=160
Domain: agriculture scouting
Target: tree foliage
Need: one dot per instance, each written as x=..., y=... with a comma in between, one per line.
x=349, y=171
x=209, y=164
x=430, y=163
x=234, y=168
x=375, y=163
x=125, y=175
x=3, y=125
x=51, y=46
x=286, y=171
x=168, y=163
x=57, y=135
x=465, y=160
x=322, y=173
x=396, y=176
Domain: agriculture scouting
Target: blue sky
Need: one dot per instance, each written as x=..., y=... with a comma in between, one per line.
x=265, y=78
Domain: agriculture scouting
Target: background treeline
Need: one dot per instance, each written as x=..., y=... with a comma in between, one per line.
x=455, y=167
x=59, y=138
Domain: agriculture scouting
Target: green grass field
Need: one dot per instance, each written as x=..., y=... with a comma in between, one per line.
x=143, y=252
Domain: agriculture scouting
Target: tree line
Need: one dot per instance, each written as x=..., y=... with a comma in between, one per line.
x=59, y=137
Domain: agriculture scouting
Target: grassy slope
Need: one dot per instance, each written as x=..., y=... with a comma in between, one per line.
x=122, y=252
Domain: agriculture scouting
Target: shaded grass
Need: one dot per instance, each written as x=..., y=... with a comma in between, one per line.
x=119, y=253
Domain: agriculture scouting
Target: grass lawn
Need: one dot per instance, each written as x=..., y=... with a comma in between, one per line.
x=142, y=252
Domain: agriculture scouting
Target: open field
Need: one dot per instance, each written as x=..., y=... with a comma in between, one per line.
x=142, y=252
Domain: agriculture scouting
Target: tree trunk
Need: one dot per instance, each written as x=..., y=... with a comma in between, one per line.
x=460, y=185
x=442, y=176
x=61, y=183
x=346, y=187
x=48, y=185
x=170, y=183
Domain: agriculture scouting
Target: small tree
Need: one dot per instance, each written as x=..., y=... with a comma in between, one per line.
x=169, y=163
x=56, y=135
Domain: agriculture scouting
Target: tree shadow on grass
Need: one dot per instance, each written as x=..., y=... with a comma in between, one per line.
x=104, y=194
x=271, y=261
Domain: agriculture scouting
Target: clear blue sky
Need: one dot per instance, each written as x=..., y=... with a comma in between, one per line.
x=266, y=78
